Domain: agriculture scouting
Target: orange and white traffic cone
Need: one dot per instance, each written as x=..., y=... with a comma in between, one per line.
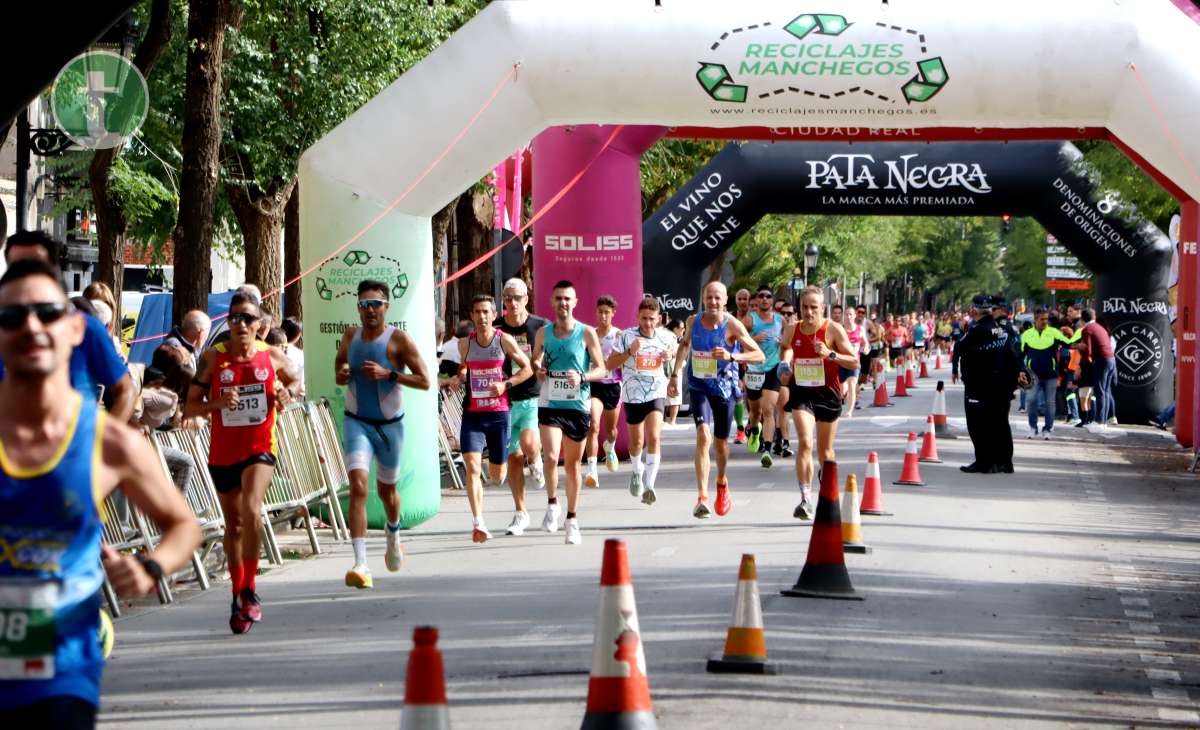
x=881, y=396
x=924, y=367
x=824, y=574
x=901, y=389
x=929, y=453
x=909, y=379
x=941, y=424
x=425, y=684
x=618, y=689
x=937, y=364
x=852, y=538
x=872, y=501
x=746, y=642
x=910, y=474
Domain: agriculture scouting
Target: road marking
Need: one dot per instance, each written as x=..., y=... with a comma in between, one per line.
x=1126, y=579
x=741, y=502
x=765, y=485
x=1170, y=694
x=1143, y=628
x=1163, y=675
x=1139, y=614
x=664, y=552
x=1171, y=715
x=1156, y=658
x=1128, y=601
x=1148, y=643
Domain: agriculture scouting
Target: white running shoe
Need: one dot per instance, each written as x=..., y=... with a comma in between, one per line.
x=1046, y=432
x=553, y=515
x=610, y=460
x=394, y=557
x=520, y=521
x=1032, y=434
x=635, y=485
x=573, y=535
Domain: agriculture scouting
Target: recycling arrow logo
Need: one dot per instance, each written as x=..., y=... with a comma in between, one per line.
x=325, y=289
x=717, y=81
x=821, y=24
x=930, y=79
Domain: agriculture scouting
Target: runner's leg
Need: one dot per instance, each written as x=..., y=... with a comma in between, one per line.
x=703, y=441
x=572, y=450
x=592, y=443
x=805, y=428
x=472, y=461
x=653, y=430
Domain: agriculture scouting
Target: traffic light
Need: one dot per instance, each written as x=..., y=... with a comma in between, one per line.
x=1007, y=219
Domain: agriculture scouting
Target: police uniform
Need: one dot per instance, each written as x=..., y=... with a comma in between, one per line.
x=989, y=358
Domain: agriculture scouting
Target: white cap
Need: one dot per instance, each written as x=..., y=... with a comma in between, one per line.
x=517, y=285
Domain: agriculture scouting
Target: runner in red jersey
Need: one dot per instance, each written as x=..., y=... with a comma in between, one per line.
x=813, y=350
x=239, y=384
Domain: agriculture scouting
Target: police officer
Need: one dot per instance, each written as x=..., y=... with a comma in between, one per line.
x=990, y=361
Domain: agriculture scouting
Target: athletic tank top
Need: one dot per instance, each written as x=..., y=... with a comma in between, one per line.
x=704, y=372
x=559, y=356
x=608, y=345
x=485, y=365
x=856, y=336
x=524, y=334
x=377, y=400
x=769, y=346
x=810, y=370
x=242, y=432
x=50, y=574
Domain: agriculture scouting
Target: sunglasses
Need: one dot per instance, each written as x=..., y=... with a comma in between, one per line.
x=513, y=297
x=788, y=313
x=14, y=316
x=365, y=304
x=242, y=318
x=765, y=295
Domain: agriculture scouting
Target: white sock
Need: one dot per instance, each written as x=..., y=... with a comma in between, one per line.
x=609, y=446
x=536, y=466
x=360, y=550
x=592, y=464
x=651, y=469
x=477, y=522
x=636, y=459
x=393, y=527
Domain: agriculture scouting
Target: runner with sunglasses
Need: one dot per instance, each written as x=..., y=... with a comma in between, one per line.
x=762, y=381
x=239, y=383
x=371, y=361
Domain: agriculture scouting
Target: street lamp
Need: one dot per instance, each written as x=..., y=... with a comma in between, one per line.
x=796, y=284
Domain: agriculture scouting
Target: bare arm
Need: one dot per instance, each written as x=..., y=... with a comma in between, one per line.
x=785, y=344
x=121, y=395
x=128, y=463
x=198, y=405
x=844, y=352
x=751, y=352
x=539, y=341
x=685, y=346
x=591, y=340
x=617, y=359
x=523, y=370
x=284, y=375
x=406, y=355
x=341, y=361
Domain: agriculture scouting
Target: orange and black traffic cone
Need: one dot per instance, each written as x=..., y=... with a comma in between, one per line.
x=872, y=502
x=941, y=424
x=618, y=689
x=746, y=642
x=852, y=539
x=910, y=474
x=929, y=453
x=425, y=684
x=824, y=574
x=924, y=367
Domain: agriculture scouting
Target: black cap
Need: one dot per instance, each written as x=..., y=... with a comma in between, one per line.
x=981, y=301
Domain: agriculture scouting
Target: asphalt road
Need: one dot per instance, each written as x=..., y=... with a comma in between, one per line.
x=1064, y=595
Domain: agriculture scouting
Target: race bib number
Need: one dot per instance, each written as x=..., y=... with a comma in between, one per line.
x=809, y=372
x=251, y=409
x=704, y=365
x=897, y=342
x=649, y=362
x=754, y=381
x=561, y=388
x=27, y=630
x=481, y=385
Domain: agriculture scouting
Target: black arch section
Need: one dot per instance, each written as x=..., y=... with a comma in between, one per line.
x=1129, y=256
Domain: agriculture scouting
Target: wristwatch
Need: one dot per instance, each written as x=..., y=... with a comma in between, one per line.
x=393, y=376
x=832, y=355
x=150, y=565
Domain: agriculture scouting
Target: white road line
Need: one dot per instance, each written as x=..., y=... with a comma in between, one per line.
x=1126, y=579
x=1148, y=643
x=1141, y=627
x=1155, y=658
x=1163, y=675
x=1139, y=614
x=765, y=485
x=1130, y=601
x=1171, y=715
x=1170, y=694
x=665, y=552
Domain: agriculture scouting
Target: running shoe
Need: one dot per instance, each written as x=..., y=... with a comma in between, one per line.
x=610, y=460
x=1076, y=422
x=766, y=460
x=803, y=510
x=1033, y=432
x=394, y=557
x=520, y=521
x=786, y=452
x=648, y=495
x=701, y=511
x=480, y=533
x=635, y=484
x=777, y=447
x=573, y=535
x=251, y=605
x=723, y=503
x=753, y=442
x=591, y=481
x=539, y=475
x=359, y=577
x=1046, y=434
x=741, y=436
x=238, y=623
x=553, y=515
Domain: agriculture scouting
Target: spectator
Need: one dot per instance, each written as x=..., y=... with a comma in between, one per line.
x=295, y=331
x=276, y=338
x=1096, y=345
x=191, y=334
x=99, y=292
x=96, y=366
x=449, y=365
x=160, y=405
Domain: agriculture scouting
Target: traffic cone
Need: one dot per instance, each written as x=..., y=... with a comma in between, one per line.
x=618, y=689
x=424, y=684
x=901, y=389
x=746, y=642
x=941, y=425
x=937, y=364
x=872, y=501
x=910, y=474
x=881, y=396
x=924, y=368
x=824, y=574
x=852, y=539
x=929, y=453
x=909, y=380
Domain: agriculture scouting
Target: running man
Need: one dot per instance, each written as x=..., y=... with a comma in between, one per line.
x=566, y=357
x=486, y=406
x=762, y=380
x=781, y=446
x=606, y=396
x=239, y=383
x=60, y=456
x=641, y=353
x=371, y=361
x=814, y=349
x=742, y=304
x=524, y=444
x=716, y=342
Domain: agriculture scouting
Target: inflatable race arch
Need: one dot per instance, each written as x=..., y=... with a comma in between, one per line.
x=911, y=69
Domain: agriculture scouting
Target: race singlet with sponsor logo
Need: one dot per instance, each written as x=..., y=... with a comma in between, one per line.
x=485, y=368
x=249, y=428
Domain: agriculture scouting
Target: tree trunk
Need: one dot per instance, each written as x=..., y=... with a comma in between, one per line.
x=259, y=217
x=200, y=170
x=441, y=262
x=292, y=304
x=474, y=216
x=714, y=271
